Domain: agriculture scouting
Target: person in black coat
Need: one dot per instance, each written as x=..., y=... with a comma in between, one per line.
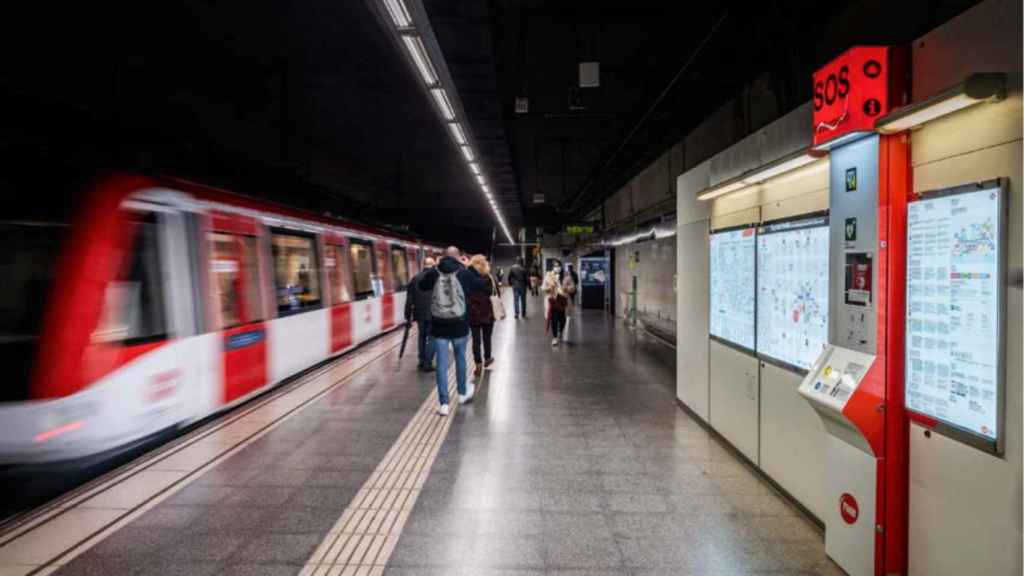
x=417, y=309
x=519, y=279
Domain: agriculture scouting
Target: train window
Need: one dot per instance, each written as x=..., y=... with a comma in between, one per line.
x=401, y=268
x=133, y=310
x=295, y=272
x=337, y=275
x=235, y=280
x=361, y=254
x=383, y=279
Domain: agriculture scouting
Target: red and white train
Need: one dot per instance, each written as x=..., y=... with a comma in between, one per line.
x=167, y=301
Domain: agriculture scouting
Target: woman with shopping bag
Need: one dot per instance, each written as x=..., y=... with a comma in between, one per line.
x=485, y=307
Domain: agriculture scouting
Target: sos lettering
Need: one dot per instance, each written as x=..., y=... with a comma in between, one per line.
x=834, y=87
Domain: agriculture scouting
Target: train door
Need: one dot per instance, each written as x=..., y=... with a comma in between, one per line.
x=365, y=308
x=387, y=303
x=237, y=310
x=400, y=281
x=340, y=293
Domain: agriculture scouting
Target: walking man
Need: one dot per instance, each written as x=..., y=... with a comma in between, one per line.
x=450, y=286
x=417, y=308
x=518, y=279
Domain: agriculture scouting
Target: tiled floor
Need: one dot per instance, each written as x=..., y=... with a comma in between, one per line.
x=572, y=460
x=576, y=460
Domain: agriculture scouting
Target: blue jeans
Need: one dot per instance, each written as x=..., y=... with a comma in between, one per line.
x=425, y=342
x=441, y=346
x=519, y=300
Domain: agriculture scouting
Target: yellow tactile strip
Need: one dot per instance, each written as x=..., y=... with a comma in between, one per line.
x=362, y=540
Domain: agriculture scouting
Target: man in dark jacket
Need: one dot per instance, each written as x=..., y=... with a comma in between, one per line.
x=450, y=285
x=417, y=308
x=518, y=279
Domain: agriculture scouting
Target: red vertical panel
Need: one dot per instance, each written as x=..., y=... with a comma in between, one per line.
x=387, y=313
x=245, y=360
x=895, y=175
x=341, y=327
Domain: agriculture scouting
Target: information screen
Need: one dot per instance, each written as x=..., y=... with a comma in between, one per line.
x=953, y=336
x=792, y=291
x=732, y=286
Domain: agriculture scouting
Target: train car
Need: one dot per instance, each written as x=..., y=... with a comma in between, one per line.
x=164, y=302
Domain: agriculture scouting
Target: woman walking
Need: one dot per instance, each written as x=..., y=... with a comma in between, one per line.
x=481, y=313
x=557, y=287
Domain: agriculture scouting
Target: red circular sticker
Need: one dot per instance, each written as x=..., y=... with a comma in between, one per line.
x=848, y=508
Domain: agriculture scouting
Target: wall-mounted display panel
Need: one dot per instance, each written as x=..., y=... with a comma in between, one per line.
x=792, y=291
x=732, y=271
x=955, y=311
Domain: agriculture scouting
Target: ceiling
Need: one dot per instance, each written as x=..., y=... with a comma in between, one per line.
x=311, y=104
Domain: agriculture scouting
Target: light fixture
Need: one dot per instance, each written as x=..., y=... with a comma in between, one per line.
x=722, y=190
x=761, y=174
x=399, y=15
x=414, y=45
x=456, y=129
x=779, y=168
x=467, y=153
x=486, y=189
x=977, y=88
x=480, y=180
x=476, y=170
x=441, y=99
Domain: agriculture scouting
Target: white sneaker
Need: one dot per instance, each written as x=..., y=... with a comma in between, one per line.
x=554, y=342
x=470, y=390
x=443, y=410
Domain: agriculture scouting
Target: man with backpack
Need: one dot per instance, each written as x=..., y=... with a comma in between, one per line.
x=450, y=285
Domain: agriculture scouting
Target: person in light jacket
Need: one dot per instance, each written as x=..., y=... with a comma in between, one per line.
x=557, y=288
x=481, y=313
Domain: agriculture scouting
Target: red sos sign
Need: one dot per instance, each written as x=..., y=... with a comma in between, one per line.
x=851, y=93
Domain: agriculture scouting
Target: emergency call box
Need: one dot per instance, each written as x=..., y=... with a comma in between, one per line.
x=850, y=462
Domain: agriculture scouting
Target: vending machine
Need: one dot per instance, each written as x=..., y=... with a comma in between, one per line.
x=855, y=386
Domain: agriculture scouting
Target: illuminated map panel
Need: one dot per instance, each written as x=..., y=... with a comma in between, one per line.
x=953, y=336
x=732, y=286
x=792, y=291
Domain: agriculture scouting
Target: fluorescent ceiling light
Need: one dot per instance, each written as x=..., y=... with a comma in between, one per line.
x=486, y=189
x=780, y=168
x=399, y=15
x=441, y=99
x=976, y=89
x=457, y=133
x=480, y=180
x=476, y=170
x=722, y=190
x=418, y=53
x=467, y=153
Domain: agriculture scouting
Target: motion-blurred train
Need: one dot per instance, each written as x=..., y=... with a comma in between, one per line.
x=163, y=302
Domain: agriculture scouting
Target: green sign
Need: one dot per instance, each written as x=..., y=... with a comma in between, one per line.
x=577, y=229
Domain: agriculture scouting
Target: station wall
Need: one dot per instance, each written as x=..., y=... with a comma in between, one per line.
x=965, y=505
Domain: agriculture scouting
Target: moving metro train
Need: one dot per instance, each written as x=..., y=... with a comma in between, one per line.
x=163, y=302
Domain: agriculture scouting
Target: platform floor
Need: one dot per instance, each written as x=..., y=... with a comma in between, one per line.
x=571, y=460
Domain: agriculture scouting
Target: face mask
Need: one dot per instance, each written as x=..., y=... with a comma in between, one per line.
x=558, y=268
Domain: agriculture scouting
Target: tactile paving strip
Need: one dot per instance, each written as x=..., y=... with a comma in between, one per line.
x=362, y=540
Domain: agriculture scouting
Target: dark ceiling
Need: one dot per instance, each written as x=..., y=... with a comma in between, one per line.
x=311, y=104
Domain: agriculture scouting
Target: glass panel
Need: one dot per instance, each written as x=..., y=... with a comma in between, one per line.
x=234, y=278
x=133, y=311
x=400, y=268
x=341, y=282
x=362, y=269
x=295, y=272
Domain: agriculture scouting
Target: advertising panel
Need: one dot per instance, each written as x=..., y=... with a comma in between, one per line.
x=792, y=291
x=955, y=311
x=732, y=264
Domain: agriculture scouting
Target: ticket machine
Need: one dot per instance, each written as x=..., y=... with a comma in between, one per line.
x=855, y=386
